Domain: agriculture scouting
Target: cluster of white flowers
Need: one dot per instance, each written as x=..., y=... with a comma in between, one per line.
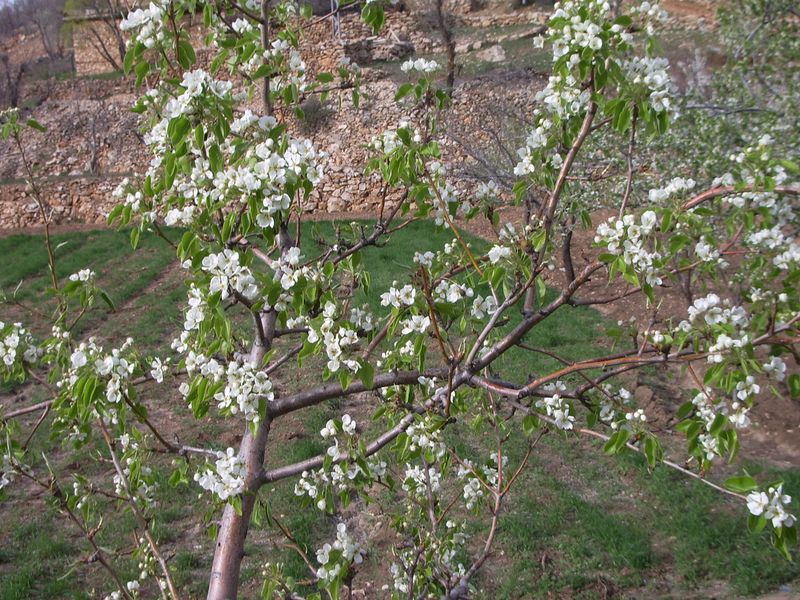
x=85, y=276
x=389, y=141
x=650, y=10
x=244, y=123
x=144, y=489
x=228, y=274
x=583, y=28
x=487, y=190
x=195, y=84
x=772, y=505
x=194, y=316
x=442, y=548
x=451, y=292
x=335, y=338
x=536, y=140
x=314, y=483
x=636, y=416
x=716, y=312
x=775, y=368
x=244, y=386
x=563, y=95
x=346, y=425
x=417, y=478
x=362, y=318
x=294, y=68
x=496, y=253
x=422, y=65
x=708, y=253
x=609, y=402
x=653, y=74
x=774, y=239
x=425, y=259
x=478, y=478
x=345, y=550
x=482, y=307
x=158, y=369
x=260, y=172
x=673, y=187
x=555, y=406
x=226, y=479
x=242, y=26
x=150, y=23
x=426, y=438
x=114, y=367
x=6, y=471
x=418, y=324
x=287, y=269
x=128, y=195
x=399, y=298
x=15, y=343
x=707, y=409
x=624, y=237
x=789, y=257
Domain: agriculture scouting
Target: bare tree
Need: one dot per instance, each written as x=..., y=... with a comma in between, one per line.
x=48, y=18
x=10, y=82
x=105, y=35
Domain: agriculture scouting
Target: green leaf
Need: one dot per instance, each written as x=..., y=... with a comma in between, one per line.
x=186, y=55
x=652, y=451
x=794, y=385
x=141, y=70
x=215, y=158
x=135, y=237
x=741, y=484
x=685, y=410
x=530, y=423
x=366, y=374
x=177, y=129
x=403, y=91
x=199, y=136
x=36, y=125
x=169, y=170
x=130, y=57
x=114, y=214
x=617, y=441
x=755, y=523
x=107, y=299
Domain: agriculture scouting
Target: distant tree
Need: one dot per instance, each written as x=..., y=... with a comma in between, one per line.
x=10, y=81
x=104, y=31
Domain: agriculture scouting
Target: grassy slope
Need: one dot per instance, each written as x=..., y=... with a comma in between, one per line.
x=579, y=522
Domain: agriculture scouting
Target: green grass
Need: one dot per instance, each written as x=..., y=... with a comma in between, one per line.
x=577, y=523
x=33, y=562
x=121, y=272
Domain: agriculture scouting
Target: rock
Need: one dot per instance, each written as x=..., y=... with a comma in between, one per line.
x=494, y=54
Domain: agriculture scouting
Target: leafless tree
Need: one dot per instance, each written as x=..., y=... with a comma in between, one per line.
x=10, y=82
x=105, y=36
x=48, y=18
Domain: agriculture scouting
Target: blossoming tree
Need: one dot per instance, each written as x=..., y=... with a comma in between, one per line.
x=234, y=177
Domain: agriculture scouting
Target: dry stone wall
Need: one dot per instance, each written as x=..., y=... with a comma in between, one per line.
x=92, y=140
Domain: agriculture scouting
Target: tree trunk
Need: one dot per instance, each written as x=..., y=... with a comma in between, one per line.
x=229, y=551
